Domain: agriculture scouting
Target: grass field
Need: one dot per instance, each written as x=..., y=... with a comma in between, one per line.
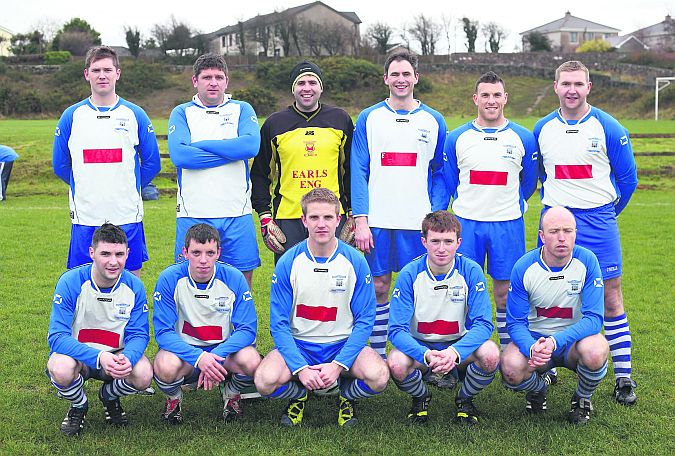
x=35, y=232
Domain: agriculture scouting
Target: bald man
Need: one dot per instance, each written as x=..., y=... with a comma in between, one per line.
x=554, y=313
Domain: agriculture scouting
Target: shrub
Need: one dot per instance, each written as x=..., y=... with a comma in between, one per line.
x=56, y=57
x=263, y=100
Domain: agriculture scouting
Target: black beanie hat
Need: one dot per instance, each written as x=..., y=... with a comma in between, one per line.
x=303, y=69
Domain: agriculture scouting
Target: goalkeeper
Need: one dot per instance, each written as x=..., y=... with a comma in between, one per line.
x=304, y=146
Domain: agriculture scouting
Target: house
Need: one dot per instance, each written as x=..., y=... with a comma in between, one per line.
x=627, y=43
x=5, y=41
x=569, y=32
x=311, y=29
x=658, y=37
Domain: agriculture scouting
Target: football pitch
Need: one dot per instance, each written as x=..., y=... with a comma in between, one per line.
x=34, y=235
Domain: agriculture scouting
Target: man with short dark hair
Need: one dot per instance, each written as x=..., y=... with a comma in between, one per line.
x=322, y=309
x=306, y=145
x=99, y=329
x=211, y=139
x=397, y=178
x=205, y=326
x=440, y=320
x=106, y=151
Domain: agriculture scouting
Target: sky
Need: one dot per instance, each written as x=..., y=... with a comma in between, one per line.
x=109, y=18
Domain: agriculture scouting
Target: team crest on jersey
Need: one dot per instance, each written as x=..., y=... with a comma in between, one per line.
x=480, y=286
x=573, y=287
x=597, y=282
x=247, y=296
x=122, y=124
x=508, y=152
x=338, y=283
x=274, y=278
x=396, y=293
x=310, y=148
x=172, y=128
x=151, y=129
x=368, y=278
x=122, y=311
x=594, y=145
x=58, y=299
x=222, y=304
x=423, y=135
x=157, y=296
x=457, y=293
x=226, y=119
x=57, y=132
x=623, y=140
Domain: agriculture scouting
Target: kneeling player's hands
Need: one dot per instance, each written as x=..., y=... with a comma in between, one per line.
x=272, y=235
x=442, y=361
x=310, y=377
x=348, y=232
x=541, y=352
x=330, y=373
x=212, y=370
x=116, y=365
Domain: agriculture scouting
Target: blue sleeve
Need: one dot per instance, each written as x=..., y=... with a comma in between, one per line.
x=281, y=306
x=61, y=161
x=438, y=194
x=479, y=316
x=7, y=154
x=164, y=318
x=137, y=330
x=360, y=167
x=622, y=161
x=147, y=149
x=530, y=163
x=244, y=320
x=60, y=336
x=451, y=167
x=182, y=153
x=363, y=310
x=401, y=311
x=592, y=306
x=244, y=146
x=517, y=311
x=541, y=172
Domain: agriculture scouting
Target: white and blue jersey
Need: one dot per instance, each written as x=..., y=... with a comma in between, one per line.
x=87, y=320
x=210, y=147
x=585, y=163
x=440, y=311
x=106, y=155
x=397, y=166
x=317, y=303
x=191, y=317
x=490, y=172
x=566, y=303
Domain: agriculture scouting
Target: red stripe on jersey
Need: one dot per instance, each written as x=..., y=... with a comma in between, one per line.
x=99, y=336
x=488, y=177
x=203, y=332
x=554, y=312
x=441, y=327
x=102, y=155
x=399, y=159
x=573, y=171
x=316, y=313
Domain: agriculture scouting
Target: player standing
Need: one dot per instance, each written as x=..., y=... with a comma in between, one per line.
x=588, y=167
x=397, y=178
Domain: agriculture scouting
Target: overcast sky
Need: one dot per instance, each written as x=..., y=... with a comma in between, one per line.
x=109, y=18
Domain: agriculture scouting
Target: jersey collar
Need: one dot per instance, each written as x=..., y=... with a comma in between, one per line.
x=196, y=100
x=489, y=130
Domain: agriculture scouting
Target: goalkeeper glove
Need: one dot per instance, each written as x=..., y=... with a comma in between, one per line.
x=348, y=232
x=272, y=235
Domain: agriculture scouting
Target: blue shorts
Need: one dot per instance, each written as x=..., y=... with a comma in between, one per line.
x=393, y=250
x=238, y=244
x=598, y=231
x=502, y=242
x=319, y=353
x=80, y=241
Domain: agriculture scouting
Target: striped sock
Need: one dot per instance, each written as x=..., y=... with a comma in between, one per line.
x=116, y=389
x=475, y=381
x=73, y=392
x=534, y=383
x=353, y=388
x=504, y=338
x=413, y=384
x=589, y=379
x=618, y=336
x=237, y=383
x=290, y=390
x=171, y=389
x=378, y=338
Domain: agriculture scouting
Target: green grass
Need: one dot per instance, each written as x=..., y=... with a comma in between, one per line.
x=35, y=232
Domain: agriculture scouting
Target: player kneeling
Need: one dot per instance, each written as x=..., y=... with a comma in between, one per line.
x=99, y=329
x=205, y=325
x=322, y=311
x=554, y=314
x=441, y=318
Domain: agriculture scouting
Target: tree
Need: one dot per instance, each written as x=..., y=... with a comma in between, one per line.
x=334, y=38
x=289, y=36
x=76, y=36
x=446, y=24
x=28, y=43
x=150, y=43
x=426, y=31
x=494, y=35
x=262, y=33
x=381, y=34
x=241, y=33
x=538, y=42
x=174, y=38
x=133, y=37
x=595, y=46
x=471, y=32
x=310, y=34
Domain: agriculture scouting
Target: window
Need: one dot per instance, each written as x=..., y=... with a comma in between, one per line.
x=277, y=52
x=230, y=37
x=588, y=36
x=573, y=37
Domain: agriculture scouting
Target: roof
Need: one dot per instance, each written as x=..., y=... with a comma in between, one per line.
x=6, y=30
x=620, y=41
x=572, y=23
x=664, y=27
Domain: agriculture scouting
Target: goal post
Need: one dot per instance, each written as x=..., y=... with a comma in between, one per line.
x=661, y=83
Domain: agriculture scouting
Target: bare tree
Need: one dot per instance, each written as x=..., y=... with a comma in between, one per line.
x=471, y=31
x=494, y=35
x=289, y=34
x=381, y=34
x=241, y=33
x=403, y=34
x=175, y=36
x=446, y=24
x=334, y=38
x=426, y=31
x=310, y=35
x=262, y=33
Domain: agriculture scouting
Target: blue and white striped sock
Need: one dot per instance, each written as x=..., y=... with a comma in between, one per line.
x=378, y=338
x=119, y=387
x=533, y=383
x=290, y=390
x=353, y=388
x=504, y=338
x=413, y=384
x=618, y=336
x=171, y=389
x=589, y=379
x=237, y=383
x=475, y=380
x=73, y=392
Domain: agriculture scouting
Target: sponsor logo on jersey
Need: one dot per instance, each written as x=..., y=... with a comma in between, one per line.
x=201, y=296
x=72, y=215
x=309, y=133
x=403, y=120
x=103, y=117
x=104, y=299
x=556, y=277
x=571, y=131
x=320, y=270
x=612, y=268
x=212, y=112
x=441, y=287
x=490, y=138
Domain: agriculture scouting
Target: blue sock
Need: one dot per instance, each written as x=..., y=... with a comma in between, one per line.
x=116, y=389
x=413, y=384
x=353, y=388
x=475, y=380
x=378, y=338
x=504, y=338
x=290, y=390
x=618, y=336
x=533, y=383
x=171, y=389
x=73, y=392
x=589, y=379
x=237, y=383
